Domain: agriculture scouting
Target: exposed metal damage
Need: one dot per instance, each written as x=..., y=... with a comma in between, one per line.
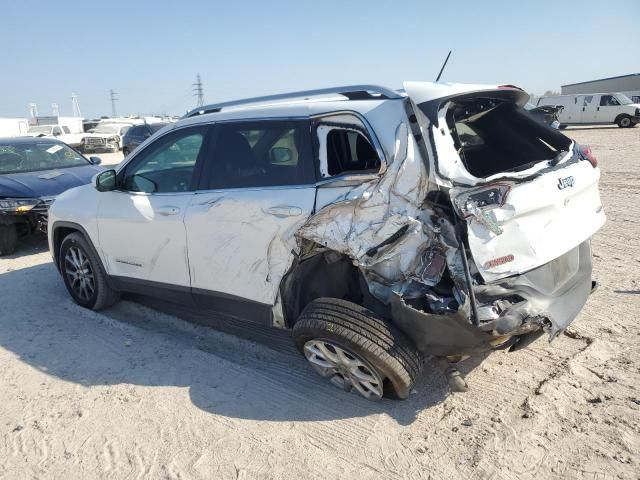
x=403, y=248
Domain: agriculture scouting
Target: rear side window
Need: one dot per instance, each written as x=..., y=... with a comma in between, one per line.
x=261, y=154
x=350, y=151
x=65, y=129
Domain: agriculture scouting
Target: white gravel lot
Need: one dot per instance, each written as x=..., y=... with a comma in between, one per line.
x=134, y=393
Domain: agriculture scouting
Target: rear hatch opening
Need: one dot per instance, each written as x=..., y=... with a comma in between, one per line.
x=493, y=136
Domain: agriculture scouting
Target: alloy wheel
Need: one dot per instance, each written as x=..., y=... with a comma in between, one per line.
x=343, y=368
x=79, y=273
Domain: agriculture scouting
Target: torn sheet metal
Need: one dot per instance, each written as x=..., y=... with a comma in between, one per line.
x=384, y=227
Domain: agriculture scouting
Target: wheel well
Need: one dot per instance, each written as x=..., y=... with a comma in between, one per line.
x=59, y=234
x=620, y=116
x=325, y=274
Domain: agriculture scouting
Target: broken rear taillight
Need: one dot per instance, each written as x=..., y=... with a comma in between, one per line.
x=586, y=153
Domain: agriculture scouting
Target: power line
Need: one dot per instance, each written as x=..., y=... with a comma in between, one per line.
x=198, y=91
x=113, y=102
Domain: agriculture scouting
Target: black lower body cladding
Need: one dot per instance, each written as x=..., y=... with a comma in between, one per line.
x=548, y=297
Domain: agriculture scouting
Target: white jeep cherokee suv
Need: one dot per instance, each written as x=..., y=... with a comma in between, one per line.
x=379, y=226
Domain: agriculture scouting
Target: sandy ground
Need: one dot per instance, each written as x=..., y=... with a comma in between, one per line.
x=135, y=393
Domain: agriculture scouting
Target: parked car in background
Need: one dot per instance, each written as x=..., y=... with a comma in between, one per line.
x=379, y=226
x=105, y=137
x=59, y=132
x=33, y=171
x=547, y=114
x=138, y=134
x=595, y=109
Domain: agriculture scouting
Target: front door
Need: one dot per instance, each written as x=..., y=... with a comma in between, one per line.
x=608, y=109
x=141, y=224
x=260, y=188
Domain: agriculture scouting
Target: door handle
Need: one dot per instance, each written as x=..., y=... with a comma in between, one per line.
x=168, y=210
x=283, y=211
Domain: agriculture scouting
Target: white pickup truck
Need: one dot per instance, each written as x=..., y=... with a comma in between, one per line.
x=60, y=132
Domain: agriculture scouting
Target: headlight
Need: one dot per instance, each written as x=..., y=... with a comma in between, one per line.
x=113, y=139
x=17, y=205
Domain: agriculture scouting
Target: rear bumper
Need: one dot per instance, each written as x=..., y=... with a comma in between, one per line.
x=547, y=298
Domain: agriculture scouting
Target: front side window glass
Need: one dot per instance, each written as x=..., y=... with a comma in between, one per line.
x=167, y=165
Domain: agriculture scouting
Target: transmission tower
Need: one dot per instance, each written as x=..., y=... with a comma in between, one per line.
x=198, y=91
x=55, y=110
x=33, y=110
x=113, y=102
x=75, y=106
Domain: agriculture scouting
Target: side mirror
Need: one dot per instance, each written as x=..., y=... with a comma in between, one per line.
x=281, y=155
x=95, y=160
x=106, y=181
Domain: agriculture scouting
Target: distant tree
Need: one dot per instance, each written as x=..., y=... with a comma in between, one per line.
x=550, y=93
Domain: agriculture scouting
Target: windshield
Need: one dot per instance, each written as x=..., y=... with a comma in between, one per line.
x=106, y=129
x=40, y=129
x=623, y=99
x=20, y=157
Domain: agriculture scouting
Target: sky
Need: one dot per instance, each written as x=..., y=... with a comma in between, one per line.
x=150, y=52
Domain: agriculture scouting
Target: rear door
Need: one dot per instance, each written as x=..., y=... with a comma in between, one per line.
x=589, y=108
x=258, y=190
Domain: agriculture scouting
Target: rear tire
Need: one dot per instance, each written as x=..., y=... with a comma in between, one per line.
x=8, y=239
x=380, y=348
x=625, y=121
x=125, y=152
x=83, y=274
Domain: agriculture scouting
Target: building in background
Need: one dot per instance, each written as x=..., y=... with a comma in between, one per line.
x=626, y=84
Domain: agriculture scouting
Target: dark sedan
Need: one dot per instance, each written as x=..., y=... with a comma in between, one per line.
x=138, y=134
x=32, y=172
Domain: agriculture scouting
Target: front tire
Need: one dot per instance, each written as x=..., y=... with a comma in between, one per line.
x=83, y=274
x=356, y=350
x=625, y=121
x=8, y=239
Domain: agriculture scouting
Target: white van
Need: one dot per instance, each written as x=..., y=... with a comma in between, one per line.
x=595, y=109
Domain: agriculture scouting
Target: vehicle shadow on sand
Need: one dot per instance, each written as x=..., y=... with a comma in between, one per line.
x=130, y=343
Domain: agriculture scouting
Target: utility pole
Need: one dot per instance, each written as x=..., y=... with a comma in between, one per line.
x=198, y=91
x=75, y=106
x=113, y=102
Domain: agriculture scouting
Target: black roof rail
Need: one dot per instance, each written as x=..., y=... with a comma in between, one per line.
x=352, y=92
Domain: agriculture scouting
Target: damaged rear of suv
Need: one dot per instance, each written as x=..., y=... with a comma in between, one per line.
x=379, y=226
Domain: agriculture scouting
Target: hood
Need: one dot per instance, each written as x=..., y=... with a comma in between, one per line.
x=45, y=183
